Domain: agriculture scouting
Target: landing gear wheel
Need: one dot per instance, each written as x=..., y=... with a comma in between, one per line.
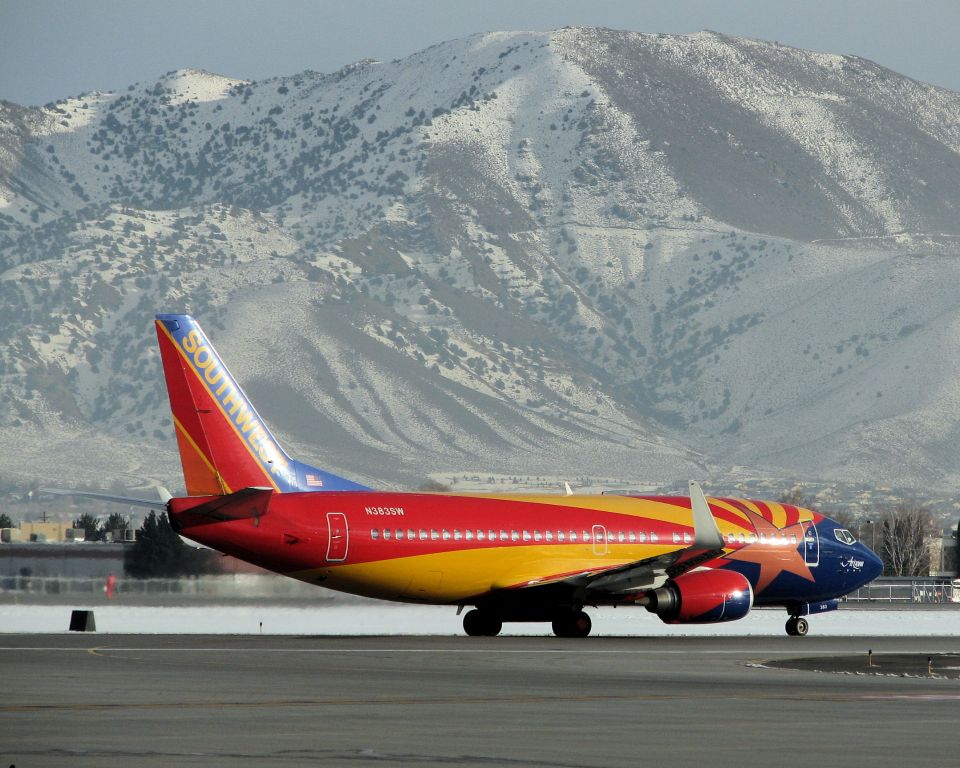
x=481, y=624
x=797, y=626
x=576, y=624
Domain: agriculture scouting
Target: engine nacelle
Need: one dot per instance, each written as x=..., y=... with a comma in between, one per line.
x=702, y=597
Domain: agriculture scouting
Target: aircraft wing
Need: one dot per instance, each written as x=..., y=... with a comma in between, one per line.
x=707, y=545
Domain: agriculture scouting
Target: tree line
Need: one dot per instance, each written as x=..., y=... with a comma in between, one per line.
x=96, y=530
x=158, y=551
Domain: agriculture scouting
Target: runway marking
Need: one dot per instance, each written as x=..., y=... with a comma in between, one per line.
x=492, y=650
x=470, y=700
x=912, y=697
x=96, y=650
x=514, y=699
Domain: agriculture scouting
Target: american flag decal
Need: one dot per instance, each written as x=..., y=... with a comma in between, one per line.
x=314, y=481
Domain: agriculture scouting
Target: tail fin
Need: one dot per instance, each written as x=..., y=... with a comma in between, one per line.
x=224, y=444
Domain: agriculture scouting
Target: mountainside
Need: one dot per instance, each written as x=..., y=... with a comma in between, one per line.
x=578, y=253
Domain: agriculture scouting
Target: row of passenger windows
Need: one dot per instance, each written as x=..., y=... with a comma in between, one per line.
x=752, y=538
x=598, y=536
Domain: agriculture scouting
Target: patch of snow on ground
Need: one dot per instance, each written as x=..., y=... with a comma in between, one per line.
x=391, y=619
x=199, y=85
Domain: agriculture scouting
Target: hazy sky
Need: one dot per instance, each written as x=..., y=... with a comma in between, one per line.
x=50, y=49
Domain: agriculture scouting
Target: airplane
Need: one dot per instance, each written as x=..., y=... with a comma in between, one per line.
x=507, y=557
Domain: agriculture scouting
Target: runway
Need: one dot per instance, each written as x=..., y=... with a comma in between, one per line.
x=350, y=701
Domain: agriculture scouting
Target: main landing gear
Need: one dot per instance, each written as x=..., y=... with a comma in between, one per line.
x=479, y=623
x=575, y=624
x=483, y=623
x=797, y=626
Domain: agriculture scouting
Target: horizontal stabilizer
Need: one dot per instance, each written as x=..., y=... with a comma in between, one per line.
x=157, y=504
x=244, y=504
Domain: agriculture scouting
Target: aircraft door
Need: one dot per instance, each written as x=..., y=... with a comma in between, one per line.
x=811, y=544
x=338, y=537
x=599, y=540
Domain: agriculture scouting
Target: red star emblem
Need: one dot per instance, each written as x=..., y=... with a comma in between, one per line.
x=776, y=557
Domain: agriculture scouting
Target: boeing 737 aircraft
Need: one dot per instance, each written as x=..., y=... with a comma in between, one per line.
x=507, y=557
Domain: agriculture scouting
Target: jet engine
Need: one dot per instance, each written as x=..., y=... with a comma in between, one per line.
x=701, y=597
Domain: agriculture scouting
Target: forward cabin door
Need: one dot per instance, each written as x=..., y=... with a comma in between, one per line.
x=338, y=537
x=811, y=544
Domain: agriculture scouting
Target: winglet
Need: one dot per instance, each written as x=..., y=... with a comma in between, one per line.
x=706, y=534
x=567, y=490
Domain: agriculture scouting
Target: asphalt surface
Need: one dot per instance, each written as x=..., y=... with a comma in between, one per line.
x=96, y=700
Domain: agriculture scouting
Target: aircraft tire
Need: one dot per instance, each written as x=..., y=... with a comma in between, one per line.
x=477, y=623
x=576, y=624
x=797, y=626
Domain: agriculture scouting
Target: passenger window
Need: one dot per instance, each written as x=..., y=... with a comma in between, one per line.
x=676, y=538
x=526, y=535
x=503, y=535
x=468, y=535
x=537, y=536
x=548, y=535
x=375, y=534
x=480, y=535
x=433, y=534
x=654, y=538
x=386, y=534
x=752, y=538
x=411, y=534
x=742, y=539
x=399, y=534
x=686, y=538
x=561, y=536
x=445, y=535
x=573, y=535
x=457, y=535
x=492, y=535
x=423, y=535
x=632, y=537
x=642, y=537
x=514, y=536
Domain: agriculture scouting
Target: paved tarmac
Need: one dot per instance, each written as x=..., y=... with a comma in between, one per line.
x=147, y=700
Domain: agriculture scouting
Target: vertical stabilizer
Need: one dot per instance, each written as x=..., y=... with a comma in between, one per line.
x=224, y=444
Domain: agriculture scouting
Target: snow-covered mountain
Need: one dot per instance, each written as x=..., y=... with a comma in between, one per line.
x=583, y=252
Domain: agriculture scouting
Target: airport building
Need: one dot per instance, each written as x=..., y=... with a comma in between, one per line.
x=40, y=532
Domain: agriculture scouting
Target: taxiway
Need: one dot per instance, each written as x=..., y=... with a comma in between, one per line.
x=441, y=701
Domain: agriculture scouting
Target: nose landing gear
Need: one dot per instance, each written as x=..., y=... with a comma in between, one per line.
x=797, y=626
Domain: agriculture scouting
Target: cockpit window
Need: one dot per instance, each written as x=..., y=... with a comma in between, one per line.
x=844, y=535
